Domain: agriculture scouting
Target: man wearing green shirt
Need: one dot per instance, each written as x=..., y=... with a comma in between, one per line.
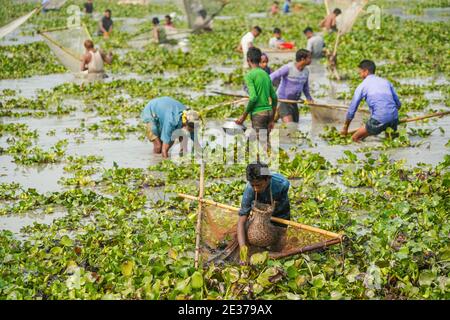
x=262, y=97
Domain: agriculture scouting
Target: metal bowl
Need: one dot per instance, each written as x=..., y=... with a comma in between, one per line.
x=231, y=127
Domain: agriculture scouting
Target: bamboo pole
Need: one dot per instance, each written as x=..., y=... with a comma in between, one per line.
x=274, y=219
x=431, y=115
x=287, y=101
x=199, y=213
x=209, y=108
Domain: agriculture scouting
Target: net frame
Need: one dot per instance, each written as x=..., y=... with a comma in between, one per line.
x=67, y=56
x=193, y=7
x=350, y=12
x=328, y=238
x=13, y=25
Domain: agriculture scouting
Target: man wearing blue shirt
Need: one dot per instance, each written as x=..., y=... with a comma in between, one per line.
x=382, y=100
x=163, y=117
x=267, y=188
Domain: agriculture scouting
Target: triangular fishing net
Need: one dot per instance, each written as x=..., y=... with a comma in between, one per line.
x=330, y=115
x=350, y=11
x=67, y=44
x=201, y=12
x=54, y=4
x=13, y=25
x=218, y=240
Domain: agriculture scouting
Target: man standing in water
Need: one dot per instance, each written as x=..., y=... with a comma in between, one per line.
x=105, y=25
x=163, y=116
x=93, y=60
x=266, y=188
x=262, y=97
x=382, y=100
x=329, y=23
x=158, y=32
x=294, y=79
x=315, y=43
x=247, y=43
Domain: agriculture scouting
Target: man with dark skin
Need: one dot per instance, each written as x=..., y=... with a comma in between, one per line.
x=267, y=188
x=105, y=25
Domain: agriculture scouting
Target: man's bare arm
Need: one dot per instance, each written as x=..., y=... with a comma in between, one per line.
x=241, y=234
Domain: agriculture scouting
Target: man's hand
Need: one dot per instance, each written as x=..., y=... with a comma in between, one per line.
x=344, y=131
x=241, y=119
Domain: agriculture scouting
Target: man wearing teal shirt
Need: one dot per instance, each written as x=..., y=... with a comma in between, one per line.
x=163, y=117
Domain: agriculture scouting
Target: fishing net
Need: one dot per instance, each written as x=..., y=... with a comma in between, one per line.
x=201, y=12
x=173, y=36
x=10, y=27
x=350, y=11
x=329, y=115
x=219, y=243
x=67, y=44
x=54, y=4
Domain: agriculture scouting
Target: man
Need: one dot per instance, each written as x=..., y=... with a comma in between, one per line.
x=260, y=90
x=287, y=6
x=105, y=25
x=89, y=7
x=382, y=100
x=276, y=41
x=294, y=79
x=247, y=43
x=168, y=23
x=93, y=60
x=263, y=187
x=275, y=8
x=315, y=43
x=329, y=23
x=158, y=33
x=163, y=117
x=202, y=22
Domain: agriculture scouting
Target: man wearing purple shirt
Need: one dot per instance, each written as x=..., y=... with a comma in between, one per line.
x=294, y=78
x=382, y=100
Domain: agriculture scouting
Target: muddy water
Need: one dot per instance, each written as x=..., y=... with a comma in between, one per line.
x=429, y=14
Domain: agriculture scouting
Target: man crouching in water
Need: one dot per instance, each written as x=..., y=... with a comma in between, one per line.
x=93, y=60
x=266, y=188
x=163, y=116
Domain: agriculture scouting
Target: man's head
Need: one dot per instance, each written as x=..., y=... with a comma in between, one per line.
x=264, y=61
x=168, y=19
x=254, y=56
x=277, y=33
x=190, y=117
x=337, y=11
x=155, y=21
x=258, y=175
x=256, y=31
x=276, y=3
x=202, y=13
x=89, y=44
x=308, y=32
x=303, y=58
x=90, y=1
x=366, y=68
x=107, y=13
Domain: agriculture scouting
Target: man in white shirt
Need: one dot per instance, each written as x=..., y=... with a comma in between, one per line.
x=247, y=42
x=315, y=43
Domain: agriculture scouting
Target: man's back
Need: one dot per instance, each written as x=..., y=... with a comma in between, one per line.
x=316, y=45
x=380, y=96
x=260, y=87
